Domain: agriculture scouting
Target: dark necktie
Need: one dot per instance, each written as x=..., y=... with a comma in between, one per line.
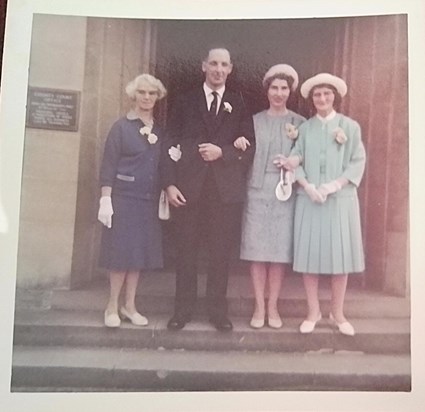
x=213, y=107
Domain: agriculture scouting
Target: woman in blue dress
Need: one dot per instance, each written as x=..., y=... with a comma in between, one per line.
x=267, y=222
x=327, y=231
x=130, y=188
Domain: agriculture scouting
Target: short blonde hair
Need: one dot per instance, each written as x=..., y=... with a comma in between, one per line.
x=133, y=85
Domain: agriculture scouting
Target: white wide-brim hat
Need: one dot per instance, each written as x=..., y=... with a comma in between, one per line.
x=323, y=78
x=284, y=69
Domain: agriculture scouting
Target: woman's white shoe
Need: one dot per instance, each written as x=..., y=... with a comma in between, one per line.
x=346, y=328
x=308, y=325
x=135, y=318
x=112, y=320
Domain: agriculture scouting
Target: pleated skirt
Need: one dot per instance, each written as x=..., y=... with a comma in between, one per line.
x=327, y=237
x=135, y=241
x=267, y=224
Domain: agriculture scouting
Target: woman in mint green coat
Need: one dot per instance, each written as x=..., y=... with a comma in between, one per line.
x=327, y=231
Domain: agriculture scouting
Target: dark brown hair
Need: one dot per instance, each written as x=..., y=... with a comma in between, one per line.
x=282, y=76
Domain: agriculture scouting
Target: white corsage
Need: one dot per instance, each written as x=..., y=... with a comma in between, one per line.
x=145, y=130
x=291, y=131
x=227, y=107
x=151, y=137
x=175, y=153
x=340, y=135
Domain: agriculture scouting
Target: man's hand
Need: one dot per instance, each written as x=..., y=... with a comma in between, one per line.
x=241, y=143
x=175, y=197
x=210, y=152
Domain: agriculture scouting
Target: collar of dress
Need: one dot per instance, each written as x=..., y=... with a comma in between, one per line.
x=132, y=115
x=330, y=116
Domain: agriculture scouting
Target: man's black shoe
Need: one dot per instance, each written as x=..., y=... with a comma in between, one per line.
x=221, y=323
x=177, y=322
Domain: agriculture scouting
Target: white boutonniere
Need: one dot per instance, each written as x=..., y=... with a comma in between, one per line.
x=291, y=131
x=147, y=131
x=227, y=107
x=340, y=135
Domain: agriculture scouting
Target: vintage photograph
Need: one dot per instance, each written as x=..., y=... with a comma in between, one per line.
x=214, y=205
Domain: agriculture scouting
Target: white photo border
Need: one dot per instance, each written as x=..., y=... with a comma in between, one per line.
x=12, y=128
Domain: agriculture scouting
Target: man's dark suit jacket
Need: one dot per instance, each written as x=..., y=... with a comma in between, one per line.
x=190, y=124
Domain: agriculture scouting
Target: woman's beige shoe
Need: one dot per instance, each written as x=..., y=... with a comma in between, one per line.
x=112, y=320
x=135, y=318
x=257, y=323
x=346, y=328
x=308, y=325
x=275, y=323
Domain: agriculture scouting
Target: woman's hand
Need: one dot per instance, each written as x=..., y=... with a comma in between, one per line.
x=292, y=162
x=314, y=194
x=175, y=197
x=105, y=211
x=241, y=143
x=280, y=161
x=333, y=186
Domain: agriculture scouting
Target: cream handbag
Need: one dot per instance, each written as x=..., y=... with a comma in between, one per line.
x=163, y=207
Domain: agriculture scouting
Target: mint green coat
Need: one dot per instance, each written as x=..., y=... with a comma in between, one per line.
x=327, y=237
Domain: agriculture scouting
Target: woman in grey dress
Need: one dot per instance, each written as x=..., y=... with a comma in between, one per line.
x=327, y=232
x=130, y=188
x=267, y=222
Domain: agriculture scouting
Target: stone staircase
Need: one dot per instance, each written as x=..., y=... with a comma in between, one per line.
x=63, y=346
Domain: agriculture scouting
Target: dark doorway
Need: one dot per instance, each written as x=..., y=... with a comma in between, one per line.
x=255, y=45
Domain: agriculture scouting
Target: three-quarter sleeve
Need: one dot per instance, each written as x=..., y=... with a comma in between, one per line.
x=356, y=163
x=111, y=156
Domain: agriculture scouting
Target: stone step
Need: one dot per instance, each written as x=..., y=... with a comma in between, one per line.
x=48, y=369
x=156, y=295
x=85, y=328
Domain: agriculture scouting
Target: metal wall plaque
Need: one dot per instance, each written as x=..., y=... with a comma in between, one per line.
x=52, y=109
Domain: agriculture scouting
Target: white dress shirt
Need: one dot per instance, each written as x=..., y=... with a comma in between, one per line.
x=209, y=95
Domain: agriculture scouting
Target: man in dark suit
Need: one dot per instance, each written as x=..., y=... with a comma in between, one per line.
x=207, y=185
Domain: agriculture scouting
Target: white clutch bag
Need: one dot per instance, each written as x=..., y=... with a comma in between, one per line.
x=163, y=207
x=283, y=189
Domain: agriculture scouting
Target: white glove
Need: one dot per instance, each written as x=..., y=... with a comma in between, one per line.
x=175, y=153
x=314, y=194
x=327, y=189
x=105, y=211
